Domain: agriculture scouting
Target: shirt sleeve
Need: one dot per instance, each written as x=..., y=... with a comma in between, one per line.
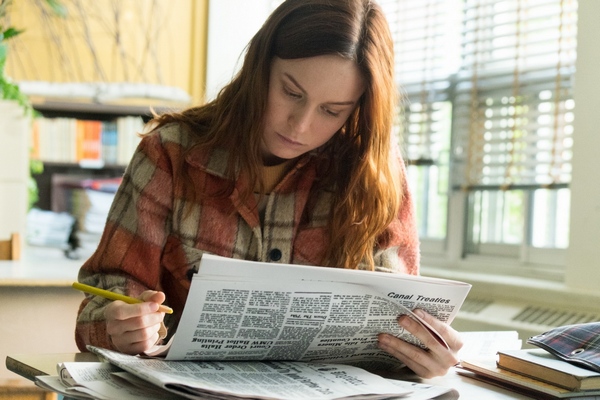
x=127, y=259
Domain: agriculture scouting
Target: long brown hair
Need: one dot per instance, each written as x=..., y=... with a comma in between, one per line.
x=368, y=182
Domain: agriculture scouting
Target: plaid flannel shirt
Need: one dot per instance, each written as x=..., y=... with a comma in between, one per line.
x=153, y=241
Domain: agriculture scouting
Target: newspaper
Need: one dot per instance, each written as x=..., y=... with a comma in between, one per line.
x=100, y=380
x=246, y=310
x=255, y=379
x=103, y=380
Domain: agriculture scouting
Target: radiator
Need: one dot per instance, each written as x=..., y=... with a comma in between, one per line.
x=479, y=313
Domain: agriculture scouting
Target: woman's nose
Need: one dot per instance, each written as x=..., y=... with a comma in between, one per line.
x=300, y=119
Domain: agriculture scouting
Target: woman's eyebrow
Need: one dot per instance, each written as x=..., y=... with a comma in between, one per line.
x=337, y=103
x=294, y=81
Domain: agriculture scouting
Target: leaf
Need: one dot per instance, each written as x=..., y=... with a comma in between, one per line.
x=12, y=32
x=3, y=52
x=57, y=7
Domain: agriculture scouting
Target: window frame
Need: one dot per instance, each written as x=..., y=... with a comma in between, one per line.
x=580, y=273
x=520, y=259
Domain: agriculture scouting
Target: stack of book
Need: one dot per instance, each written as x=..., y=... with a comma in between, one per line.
x=70, y=140
x=88, y=200
x=47, y=228
x=91, y=204
x=537, y=373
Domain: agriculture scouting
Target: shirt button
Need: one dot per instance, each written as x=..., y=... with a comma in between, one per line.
x=275, y=254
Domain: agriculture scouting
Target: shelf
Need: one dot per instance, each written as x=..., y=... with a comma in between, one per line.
x=44, y=180
x=67, y=130
x=89, y=164
x=89, y=110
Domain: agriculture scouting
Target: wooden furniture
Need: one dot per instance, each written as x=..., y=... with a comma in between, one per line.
x=75, y=111
x=13, y=389
x=11, y=249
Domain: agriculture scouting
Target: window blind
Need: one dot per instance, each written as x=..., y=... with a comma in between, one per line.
x=426, y=38
x=513, y=105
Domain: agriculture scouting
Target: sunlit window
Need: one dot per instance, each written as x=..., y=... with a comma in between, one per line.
x=489, y=113
x=427, y=50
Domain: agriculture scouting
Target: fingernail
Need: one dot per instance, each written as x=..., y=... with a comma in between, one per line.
x=404, y=321
x=419, y=313
x=382, y=340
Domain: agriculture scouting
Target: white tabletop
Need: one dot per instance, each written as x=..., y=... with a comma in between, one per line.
x=39, y=266
x=473, y=389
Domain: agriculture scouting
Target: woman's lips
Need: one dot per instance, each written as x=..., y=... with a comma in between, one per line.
x=288, y=140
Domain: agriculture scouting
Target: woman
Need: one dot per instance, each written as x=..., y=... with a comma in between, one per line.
x=293, y=162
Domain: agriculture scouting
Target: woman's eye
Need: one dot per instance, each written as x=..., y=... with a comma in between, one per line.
x=332, y=113
x=292, y=94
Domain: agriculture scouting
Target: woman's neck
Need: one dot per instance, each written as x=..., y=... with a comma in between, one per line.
x=271, y=175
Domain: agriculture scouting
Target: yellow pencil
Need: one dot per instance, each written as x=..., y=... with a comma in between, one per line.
x=115, y=296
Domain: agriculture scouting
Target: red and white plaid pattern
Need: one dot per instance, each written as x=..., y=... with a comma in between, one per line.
x=156, y=232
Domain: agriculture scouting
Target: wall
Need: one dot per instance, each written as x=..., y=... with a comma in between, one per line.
x=14, y=169
x=232, y=24
x=584, y=251
x=159, y=42
x=36, y=320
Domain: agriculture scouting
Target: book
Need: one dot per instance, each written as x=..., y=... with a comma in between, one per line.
x=487, y=370
x=247, y=310
x=542, y=365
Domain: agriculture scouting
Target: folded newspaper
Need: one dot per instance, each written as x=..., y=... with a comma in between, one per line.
x=245, y=310
x=126, y=377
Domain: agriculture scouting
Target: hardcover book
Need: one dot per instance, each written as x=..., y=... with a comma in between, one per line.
x=540, y=364
x=488, y=371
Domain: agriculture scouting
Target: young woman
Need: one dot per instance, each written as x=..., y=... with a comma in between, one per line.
x=293, y=162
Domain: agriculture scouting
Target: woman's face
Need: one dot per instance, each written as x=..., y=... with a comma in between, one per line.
x=309, y=101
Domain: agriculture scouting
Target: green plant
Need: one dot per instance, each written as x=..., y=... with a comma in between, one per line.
x=8, y=89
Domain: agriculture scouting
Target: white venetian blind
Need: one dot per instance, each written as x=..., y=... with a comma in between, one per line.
x=426, y=37
x=513, y=105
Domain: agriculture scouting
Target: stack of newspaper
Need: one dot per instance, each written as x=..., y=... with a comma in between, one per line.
x=127, y=377
x=281, y=331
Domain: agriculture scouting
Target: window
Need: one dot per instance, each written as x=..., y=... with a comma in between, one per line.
x=487, y=127
x=488, y=121
x=427, y=45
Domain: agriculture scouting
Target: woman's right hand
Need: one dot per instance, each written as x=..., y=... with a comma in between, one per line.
x=134, y=328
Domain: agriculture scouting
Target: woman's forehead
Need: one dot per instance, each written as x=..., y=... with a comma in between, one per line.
x=336, y=78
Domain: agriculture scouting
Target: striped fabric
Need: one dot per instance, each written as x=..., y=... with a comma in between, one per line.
x=156, y=233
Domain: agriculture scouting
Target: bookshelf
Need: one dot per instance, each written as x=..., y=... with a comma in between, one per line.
x=54, y=170
x=85, y=140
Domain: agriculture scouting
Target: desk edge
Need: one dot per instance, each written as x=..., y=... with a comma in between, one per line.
x=19, y=368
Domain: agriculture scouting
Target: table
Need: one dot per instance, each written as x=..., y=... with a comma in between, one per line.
x=37, y=304
x=39, y=267
x=32, y=365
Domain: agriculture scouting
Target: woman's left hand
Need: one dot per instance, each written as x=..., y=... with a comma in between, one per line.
x=430, y=362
